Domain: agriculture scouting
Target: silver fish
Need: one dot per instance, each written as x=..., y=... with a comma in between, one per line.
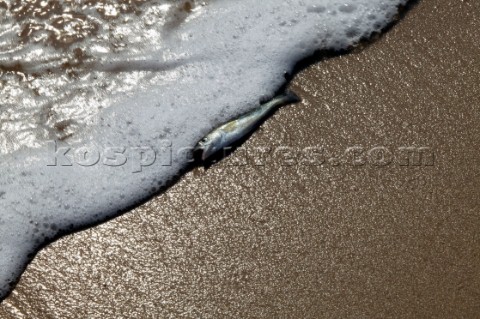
x=233, y=131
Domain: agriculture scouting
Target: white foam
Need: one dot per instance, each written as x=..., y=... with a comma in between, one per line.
x=214, y=66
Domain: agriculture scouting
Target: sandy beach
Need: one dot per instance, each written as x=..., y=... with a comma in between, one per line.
x=362, y=231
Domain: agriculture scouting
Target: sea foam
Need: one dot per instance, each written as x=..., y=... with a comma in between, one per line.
x=134, y=108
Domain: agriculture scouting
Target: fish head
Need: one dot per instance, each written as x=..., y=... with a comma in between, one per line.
x=209, y=145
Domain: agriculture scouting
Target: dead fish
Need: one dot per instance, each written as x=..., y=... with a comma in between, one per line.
x=235, y=130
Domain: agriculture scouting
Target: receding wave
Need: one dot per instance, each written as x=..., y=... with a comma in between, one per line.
x=100, y=99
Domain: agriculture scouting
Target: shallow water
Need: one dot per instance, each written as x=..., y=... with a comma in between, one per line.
x=63, y=62
x=135, y=83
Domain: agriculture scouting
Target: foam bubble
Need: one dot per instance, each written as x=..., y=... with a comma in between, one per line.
x=183, y=77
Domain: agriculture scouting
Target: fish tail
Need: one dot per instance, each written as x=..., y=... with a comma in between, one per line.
x=290, y=97
x=286, y=98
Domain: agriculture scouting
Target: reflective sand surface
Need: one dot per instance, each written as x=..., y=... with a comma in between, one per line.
x=330, y=241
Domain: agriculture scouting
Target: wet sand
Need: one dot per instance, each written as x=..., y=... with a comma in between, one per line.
x=272, y=236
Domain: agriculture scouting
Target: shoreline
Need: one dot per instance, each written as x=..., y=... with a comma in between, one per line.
x=293, y=241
